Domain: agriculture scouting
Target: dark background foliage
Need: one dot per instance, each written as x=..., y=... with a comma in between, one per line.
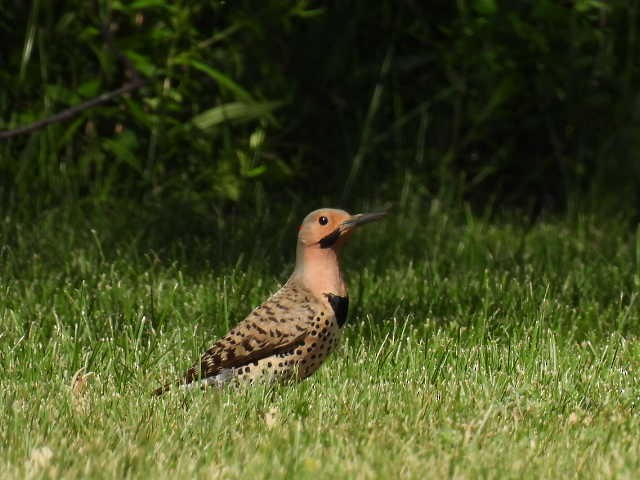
x=530, y=105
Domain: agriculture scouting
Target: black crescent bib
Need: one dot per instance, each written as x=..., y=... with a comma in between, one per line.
x=340, y=307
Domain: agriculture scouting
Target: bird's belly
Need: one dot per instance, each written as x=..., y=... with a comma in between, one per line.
x=296, y=364
x=315, y=350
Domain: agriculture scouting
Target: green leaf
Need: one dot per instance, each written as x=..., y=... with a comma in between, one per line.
x=586, y=5
x=234, y=112
x=224, y=81
x=88, y=33
x=69, y=132
x=123, y=147
x=89, y=88
x=142, y=63
x=255, y=172
x=140, y=5
x=147, y=119
x=147, y=4
x=486, y=7
x=299, y=11
x=61, y=94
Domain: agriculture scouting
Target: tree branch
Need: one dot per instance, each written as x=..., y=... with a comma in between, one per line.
x=137, y=81
x=71, y=112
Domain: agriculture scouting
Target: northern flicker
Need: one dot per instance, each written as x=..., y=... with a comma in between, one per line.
x=291, y=333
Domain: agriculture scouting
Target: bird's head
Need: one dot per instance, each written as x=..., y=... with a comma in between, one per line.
x=330, y=227
x=322, y=234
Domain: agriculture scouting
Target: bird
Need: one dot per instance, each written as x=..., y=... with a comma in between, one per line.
x=291, y=334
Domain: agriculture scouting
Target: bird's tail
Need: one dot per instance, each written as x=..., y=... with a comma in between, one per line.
x=189, y=377
x=191, y=380
x=161, y=390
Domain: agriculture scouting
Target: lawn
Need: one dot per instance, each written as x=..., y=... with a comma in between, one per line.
x=475, y=348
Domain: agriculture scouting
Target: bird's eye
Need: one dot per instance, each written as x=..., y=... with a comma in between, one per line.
x=323, y=220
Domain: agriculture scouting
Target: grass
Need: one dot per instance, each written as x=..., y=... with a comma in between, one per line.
x=473, y=349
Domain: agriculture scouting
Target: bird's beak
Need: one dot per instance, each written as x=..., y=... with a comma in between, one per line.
x=348, y=225
x=360, y=219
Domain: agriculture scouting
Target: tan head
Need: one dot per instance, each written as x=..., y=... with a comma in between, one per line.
x=321, y=236
x=330, y=227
